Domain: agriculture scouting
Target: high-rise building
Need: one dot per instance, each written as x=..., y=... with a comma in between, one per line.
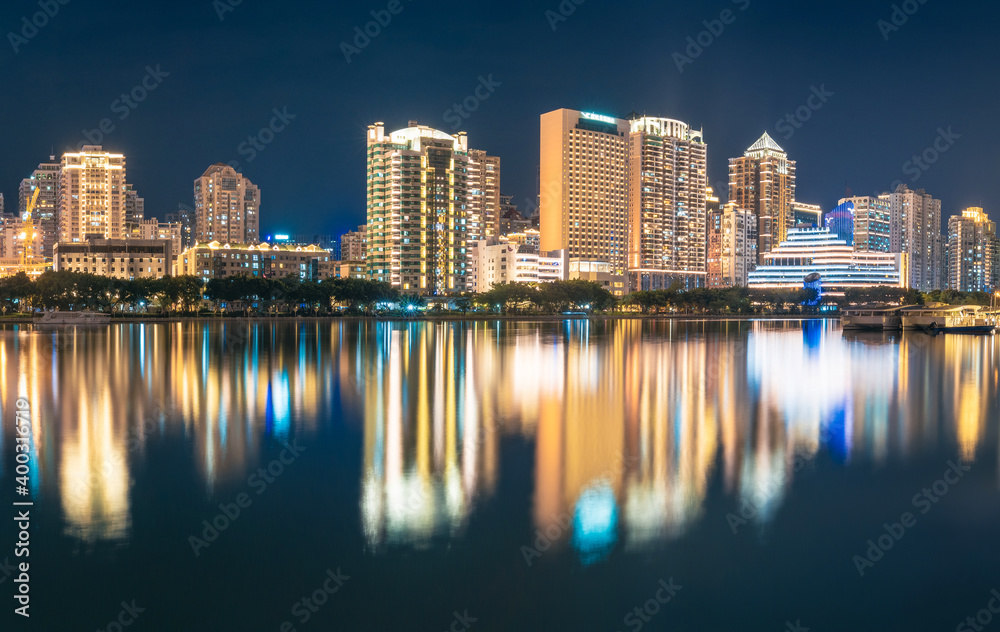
x=973, y=252
x=667, y=205
x=872, y=227
x=418, y=209
x=184, y=215
x=915, y=229
x=226, y=207
x=353, y=244
x=91, y=195
x=840, y=221
x=582, y=180
x=732, y=246
x=135, y=208
x=484, y=195
x=763, y=180
x=46, y=213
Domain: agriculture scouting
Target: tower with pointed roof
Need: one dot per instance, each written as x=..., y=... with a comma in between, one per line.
x=763, y=181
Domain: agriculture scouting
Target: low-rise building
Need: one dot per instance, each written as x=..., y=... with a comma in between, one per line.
x=117, y=258
x=218, y=261
x=598, y=272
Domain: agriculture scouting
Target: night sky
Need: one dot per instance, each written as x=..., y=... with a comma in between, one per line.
x=226, y=76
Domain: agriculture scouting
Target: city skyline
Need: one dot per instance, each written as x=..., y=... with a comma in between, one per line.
x=837, y=136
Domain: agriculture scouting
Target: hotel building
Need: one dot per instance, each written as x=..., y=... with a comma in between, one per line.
x=517, y=260
x=226, y=207
x=667, y=214
x=818, y=251
x=872, y=223
x=973, y=252
x=732, y=246
x=91, y=195
x=583, y=185
x=763, y=180
x=419, y=202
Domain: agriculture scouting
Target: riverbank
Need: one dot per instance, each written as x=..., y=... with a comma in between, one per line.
x=438, y=318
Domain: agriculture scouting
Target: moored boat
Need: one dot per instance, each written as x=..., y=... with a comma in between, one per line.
x=960, y=319
x=887, y=319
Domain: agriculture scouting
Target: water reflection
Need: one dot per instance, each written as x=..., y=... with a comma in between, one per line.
x=630, y=422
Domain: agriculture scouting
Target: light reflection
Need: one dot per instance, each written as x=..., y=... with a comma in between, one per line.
x=630, y=422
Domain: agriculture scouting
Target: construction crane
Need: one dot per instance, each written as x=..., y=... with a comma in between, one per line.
x=30, y=263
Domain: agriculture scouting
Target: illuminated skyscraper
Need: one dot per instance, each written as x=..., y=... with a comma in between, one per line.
x=484, y=195
x=666, y=204
x=226, y=207
x=91, y=195
x=583, y=186
x=732, y=246
x=763, y=180
x=915, y=229
x=872, y=231
x=973, y=252
x=418, y=209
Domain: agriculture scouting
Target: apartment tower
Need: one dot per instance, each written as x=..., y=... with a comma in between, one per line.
x=91, y=195
x=582, y=181
x=973, y=252
x=763, y=181
x=226, y=207
x=667, y=204
x=419, y=204
x=915, y=229
x=46, y=214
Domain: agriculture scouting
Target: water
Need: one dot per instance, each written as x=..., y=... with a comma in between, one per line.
x=529, y=476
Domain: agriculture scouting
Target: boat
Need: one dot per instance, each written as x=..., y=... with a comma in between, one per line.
x=887, y=319
x=953, y=319
x=57, y=317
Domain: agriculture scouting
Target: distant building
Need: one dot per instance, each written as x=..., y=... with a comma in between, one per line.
x=763, y=181
x=46, y=213
x=351, y=270
x=184, y=215
x=218, y=261
x=226, y=207
x=803, y=213
x=667, y=206
x=818, y=251
x=732, y=246
x=915, y=229
x=484, y=195
x=354, y=244
x=840, y=222
x=117, y=258
x=583, y=169
x=513, y=222
x=502, y=261
x=973, y=252
x=872, y=223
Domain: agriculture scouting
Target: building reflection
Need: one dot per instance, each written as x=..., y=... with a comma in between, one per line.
x=632, y=423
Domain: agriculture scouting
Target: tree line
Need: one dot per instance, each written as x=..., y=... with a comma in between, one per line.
x=247, y=294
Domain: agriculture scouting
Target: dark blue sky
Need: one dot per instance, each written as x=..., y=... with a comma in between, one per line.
x=889, y=97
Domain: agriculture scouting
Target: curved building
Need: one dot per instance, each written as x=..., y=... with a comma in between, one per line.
x=818, y=251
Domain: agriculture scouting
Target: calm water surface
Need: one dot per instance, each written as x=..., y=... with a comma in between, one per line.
x=529, y=476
